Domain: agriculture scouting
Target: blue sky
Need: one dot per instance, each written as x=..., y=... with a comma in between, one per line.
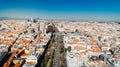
x=62, y=9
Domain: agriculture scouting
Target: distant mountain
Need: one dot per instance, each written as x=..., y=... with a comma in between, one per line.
x=9, y=18
x=4, y=18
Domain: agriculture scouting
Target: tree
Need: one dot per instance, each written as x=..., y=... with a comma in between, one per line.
x=69, y=48
x=76, y=30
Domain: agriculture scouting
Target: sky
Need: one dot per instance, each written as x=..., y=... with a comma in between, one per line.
x=102, y=10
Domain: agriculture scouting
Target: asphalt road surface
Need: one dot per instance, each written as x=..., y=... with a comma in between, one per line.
x=57, y=51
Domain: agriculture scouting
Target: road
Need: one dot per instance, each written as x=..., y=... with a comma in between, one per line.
x=57, y=51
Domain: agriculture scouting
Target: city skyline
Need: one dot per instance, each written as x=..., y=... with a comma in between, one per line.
x=102, y=10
